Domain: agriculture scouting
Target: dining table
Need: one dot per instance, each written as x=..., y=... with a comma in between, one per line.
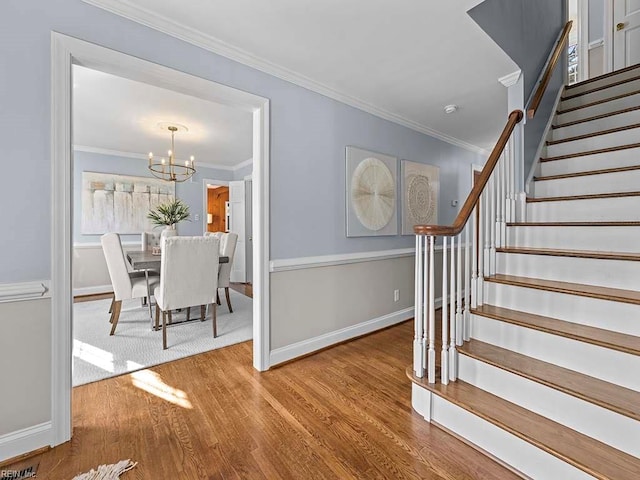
x=147, y=261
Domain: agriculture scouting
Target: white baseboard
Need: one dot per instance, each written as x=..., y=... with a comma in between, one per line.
x=25, y=440
x=92, y=290
x=304, y=347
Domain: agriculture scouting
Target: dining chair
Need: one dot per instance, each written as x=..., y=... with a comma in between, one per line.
x=188, y=277
x=227, y=249
x=126, y=285
x=150, y=240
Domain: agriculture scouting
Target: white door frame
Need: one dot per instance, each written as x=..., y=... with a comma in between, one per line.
x=65, y=51
x=608, y=36
x=205, y=199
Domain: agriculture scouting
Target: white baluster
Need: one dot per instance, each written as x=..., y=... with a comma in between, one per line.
x=486, y=218
x=480, y=253
x=503, y=199
x=444, y=356
x=498, y=193
x=507, y=168
x=418, y=348
x=453, y=367
x=467, y=282
x=459, y=285
x=431, y=362
x=492, y=224
x=512, y=179
x=474, y=258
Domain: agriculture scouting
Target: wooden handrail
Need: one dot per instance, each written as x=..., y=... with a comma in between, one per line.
x=548, y=73
x=515, y=117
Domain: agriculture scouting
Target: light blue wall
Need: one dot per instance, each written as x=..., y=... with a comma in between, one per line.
x=242, y=172
x=308, y=136
x=190, y=192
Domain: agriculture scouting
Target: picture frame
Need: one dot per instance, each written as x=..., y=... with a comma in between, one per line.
x=420, y=187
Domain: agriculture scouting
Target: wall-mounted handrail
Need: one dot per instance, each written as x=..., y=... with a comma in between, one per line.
x=515, y=117
x=548, y=73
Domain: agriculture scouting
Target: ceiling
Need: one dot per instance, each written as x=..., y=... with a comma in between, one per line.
x=117, y=114
x=403, y=60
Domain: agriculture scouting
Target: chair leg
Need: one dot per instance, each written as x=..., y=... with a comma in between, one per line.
x=213, y=315
x=157, y=318
x=218, y=298
x=113, y=299
x=226, y=293
x=115, y=315
x=188, y=313
x=169, y=317
x=164, y=330
x=143, y=301
x=203, y=312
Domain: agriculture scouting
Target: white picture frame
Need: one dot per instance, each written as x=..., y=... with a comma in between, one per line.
x=371, y=193
x=420, y=195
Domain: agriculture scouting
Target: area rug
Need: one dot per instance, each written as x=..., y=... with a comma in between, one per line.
x=107, y=472
x=97, y=356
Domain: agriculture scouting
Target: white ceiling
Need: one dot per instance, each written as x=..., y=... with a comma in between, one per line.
x=121, y=115
x=402, y=59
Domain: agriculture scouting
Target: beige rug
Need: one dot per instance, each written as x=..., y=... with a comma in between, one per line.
x=107, y=472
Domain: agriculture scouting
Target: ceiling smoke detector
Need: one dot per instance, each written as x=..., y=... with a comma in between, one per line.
x=450, y=108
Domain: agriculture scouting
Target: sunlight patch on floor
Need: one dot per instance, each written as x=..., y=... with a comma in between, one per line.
x=152, y=383
x=93, y=355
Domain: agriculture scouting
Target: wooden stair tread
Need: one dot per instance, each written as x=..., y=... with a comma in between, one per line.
x=590, y=196
x=602, y=87
x=590, y=152
x=594, y=134
x=583, y=452
x=634, y=257
x=593, y=390
x=582, y=333
x=597, y=102
x=587, y=173
x=595, y=117
x=603, y=76
x=582, y=290
x=573, y=224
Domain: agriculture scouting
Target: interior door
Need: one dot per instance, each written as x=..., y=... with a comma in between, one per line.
x=238, y=225
x=626, y=33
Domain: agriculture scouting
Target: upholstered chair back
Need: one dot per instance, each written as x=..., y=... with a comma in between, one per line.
x=150, y=240
x=188, y=272
x=217, y=235
x=117, y=266
x=227, y=249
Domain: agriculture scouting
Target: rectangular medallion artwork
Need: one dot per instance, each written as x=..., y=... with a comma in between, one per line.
x=120, y=203
x=420, y=191
x=371, y=193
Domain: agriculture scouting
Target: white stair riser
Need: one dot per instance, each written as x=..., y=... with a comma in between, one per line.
x=620, y=239
x=605, y=273
x=599, y=109
x=598, y=161
x=604, y=81
x=624, y=137
x=593, y=312
x=597, y=125
x=614, y=91
x=616, y=430
x=591, y=210
x=626, y=181
x=603, y=363
x=512, y=450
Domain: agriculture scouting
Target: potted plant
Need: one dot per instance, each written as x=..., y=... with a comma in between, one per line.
x=168, y=215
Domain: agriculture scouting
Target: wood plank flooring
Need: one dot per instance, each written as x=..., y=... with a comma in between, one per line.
x=340, y=414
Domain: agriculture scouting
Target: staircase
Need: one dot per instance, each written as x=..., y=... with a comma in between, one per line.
x=549, y=382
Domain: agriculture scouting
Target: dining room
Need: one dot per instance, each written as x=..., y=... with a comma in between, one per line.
x=152, y=283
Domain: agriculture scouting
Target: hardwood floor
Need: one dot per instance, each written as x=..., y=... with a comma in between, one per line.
x=343, y=413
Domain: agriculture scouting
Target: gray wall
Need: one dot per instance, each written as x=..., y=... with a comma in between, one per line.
x=527, y=31
x=190, y=192
x=596, y=20
x=308, y=136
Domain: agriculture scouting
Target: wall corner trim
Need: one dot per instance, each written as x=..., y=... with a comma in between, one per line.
x=510, y=79
x=14, y=292
x=25, y=440
x=304, y=347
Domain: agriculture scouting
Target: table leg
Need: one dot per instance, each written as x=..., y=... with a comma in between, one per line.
x=146, y=276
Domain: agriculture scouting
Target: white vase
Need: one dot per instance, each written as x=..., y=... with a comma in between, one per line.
x=169, y=231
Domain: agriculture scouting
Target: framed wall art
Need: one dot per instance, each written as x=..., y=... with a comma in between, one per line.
x=371, y=193
x=120, y=203
x=420, y=191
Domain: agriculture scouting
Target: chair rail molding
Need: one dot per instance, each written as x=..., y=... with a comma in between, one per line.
x=130, y=11
x=16, y=292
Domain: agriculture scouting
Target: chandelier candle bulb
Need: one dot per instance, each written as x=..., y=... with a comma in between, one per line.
x=177, y=172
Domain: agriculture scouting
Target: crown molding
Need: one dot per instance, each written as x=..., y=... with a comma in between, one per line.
x=126, y=9
x=510, y=79
x=140, y=156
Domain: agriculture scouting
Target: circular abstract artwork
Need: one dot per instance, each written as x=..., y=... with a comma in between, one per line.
x=373, y=193
x=420, y=199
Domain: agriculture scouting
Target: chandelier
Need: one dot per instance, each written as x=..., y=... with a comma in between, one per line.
x=169, y=170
